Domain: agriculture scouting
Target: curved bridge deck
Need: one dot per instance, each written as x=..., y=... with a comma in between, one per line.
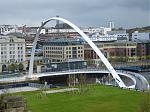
x=138, y=80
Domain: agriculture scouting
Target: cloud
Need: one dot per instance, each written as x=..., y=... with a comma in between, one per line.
x=137, y=4
x=82, y=12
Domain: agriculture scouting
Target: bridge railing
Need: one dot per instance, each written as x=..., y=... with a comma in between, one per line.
x=75, y=70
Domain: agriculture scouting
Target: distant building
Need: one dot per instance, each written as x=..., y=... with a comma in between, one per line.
x=121, y=35
x=148, y=48
x=7, y=29
x=141, y=36
x=62, y=29
x=143, y=49
x=30, y=31
x=96, y=37
x=12, y=50
x=38, y=56
x=110, y=36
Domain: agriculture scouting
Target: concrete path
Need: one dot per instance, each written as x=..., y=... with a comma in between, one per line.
x=61, y=90
x=19, y=89
x=25, y=89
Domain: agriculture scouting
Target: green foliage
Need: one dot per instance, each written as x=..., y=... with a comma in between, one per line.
x=89, y=62
x=20, y=67
x=14, y=66
x=11, y=67
x=148, y=57
x=83, y=86
x=118, y=59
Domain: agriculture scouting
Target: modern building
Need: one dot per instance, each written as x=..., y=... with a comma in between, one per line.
x=140, y=36
x=121, y=35
x=111, y=50
x=97, y=37
x=7, y=28
x=60, y=52
x=12, y=50
x=110, y=36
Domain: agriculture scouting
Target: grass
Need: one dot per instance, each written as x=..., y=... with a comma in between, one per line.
x=99, y=99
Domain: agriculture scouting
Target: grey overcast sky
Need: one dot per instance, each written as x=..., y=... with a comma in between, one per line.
x=125, y=13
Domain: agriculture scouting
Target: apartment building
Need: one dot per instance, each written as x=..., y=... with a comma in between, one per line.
x=12, y=50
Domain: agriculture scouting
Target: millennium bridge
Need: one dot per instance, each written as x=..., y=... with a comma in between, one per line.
x=137, y=80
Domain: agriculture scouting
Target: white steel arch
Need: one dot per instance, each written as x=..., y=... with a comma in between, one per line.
x=87, y=39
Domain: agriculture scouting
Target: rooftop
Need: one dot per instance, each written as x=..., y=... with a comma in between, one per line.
x=64, y=41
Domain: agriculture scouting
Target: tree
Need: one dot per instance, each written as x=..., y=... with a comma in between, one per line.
x=16, y=66
x=20, y=67
x=83, y=86
x=148, y=57
x=120, y=28
x=89, y=62
x=11, y=67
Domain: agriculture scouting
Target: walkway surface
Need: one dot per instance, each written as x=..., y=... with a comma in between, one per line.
x=61, y=90
x=19, y=89
x=25, y=89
